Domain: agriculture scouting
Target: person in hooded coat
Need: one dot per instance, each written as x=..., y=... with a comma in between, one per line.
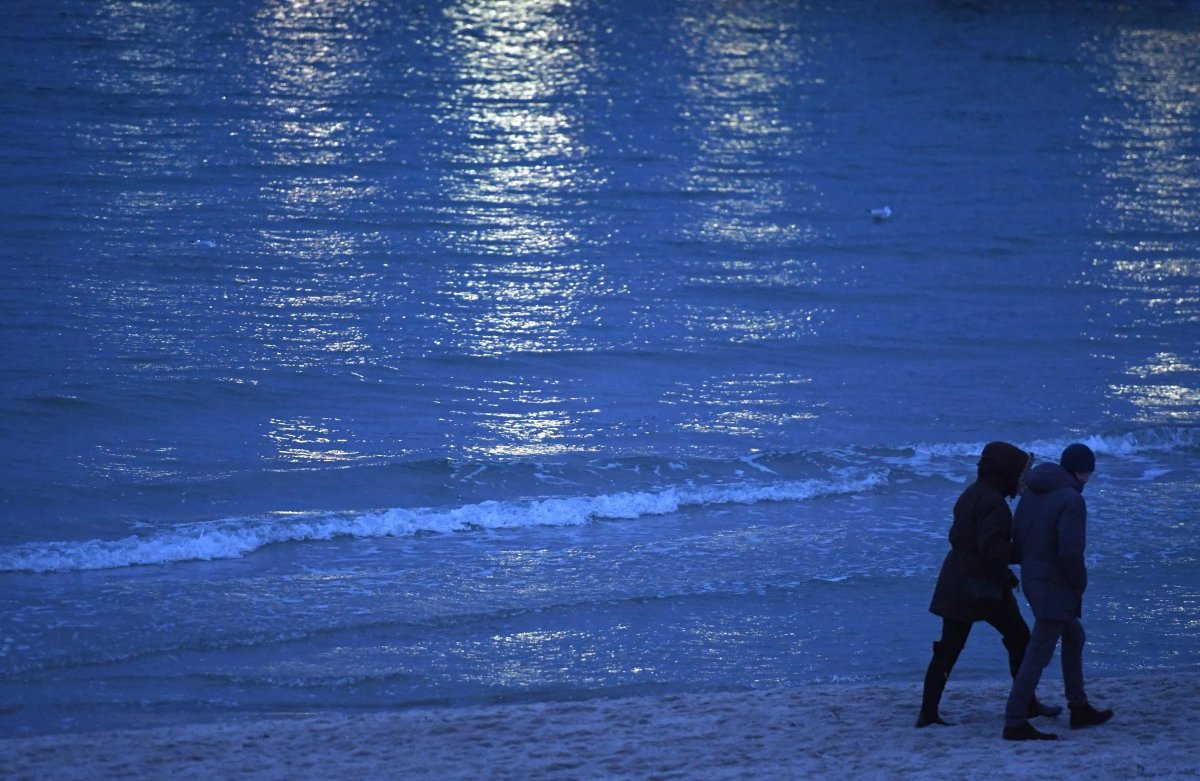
x=1050, y=530
x=975, y=583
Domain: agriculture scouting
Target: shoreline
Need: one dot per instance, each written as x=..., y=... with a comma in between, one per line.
x=848, y=731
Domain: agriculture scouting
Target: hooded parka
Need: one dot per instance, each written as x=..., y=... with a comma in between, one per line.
x=975, y=580
x=1050, y=531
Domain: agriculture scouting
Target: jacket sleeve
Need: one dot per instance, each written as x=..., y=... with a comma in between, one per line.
x=1072, y=538
x=993, y=535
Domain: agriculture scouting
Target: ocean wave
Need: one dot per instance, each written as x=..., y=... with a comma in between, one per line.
x=1144, y=441
x=1164, y=440
x=233, y=538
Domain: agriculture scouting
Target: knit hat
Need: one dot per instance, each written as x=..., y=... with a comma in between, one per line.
x=1078, y=458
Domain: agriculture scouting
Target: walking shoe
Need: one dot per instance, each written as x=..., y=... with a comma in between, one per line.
x=1026, y=731
x=1042, y=709
x=1086, y=716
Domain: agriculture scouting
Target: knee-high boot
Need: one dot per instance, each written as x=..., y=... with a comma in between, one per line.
x=935, y=683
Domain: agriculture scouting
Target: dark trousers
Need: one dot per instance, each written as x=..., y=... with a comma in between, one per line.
x=1013, y=631
x=1046, y=634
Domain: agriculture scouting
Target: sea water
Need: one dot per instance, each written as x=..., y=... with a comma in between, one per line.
x=372, y=354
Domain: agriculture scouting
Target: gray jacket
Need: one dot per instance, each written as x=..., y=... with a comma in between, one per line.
x=1050, y=531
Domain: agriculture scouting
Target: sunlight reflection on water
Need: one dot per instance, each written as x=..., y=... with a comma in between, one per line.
x=1148, y=193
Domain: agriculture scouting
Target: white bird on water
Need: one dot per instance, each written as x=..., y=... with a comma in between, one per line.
x=882, y=214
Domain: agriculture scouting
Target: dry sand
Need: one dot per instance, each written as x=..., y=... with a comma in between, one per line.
x=820, y=731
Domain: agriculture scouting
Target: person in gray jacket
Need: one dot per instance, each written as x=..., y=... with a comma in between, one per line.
x=1050, y=530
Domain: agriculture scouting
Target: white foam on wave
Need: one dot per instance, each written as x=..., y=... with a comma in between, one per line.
x=1147, y=441
x=1133, y=443
x=238, y=537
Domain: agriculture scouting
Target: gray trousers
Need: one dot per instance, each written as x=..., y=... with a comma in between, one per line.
x=1042, y=641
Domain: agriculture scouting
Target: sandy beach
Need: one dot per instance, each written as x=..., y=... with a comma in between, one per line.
x=819, y=731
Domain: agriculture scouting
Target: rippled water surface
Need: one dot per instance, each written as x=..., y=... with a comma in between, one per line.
x=365, y=354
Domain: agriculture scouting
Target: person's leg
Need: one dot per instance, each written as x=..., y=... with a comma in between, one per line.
x=1014, y=633
x=1037, y=655
x=1073, y=639
x=1082, y=712
x=945, y=654
x=1011, y=625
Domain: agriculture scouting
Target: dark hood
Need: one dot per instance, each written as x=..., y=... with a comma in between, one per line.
x=1045, y=478
x=1001, y=465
